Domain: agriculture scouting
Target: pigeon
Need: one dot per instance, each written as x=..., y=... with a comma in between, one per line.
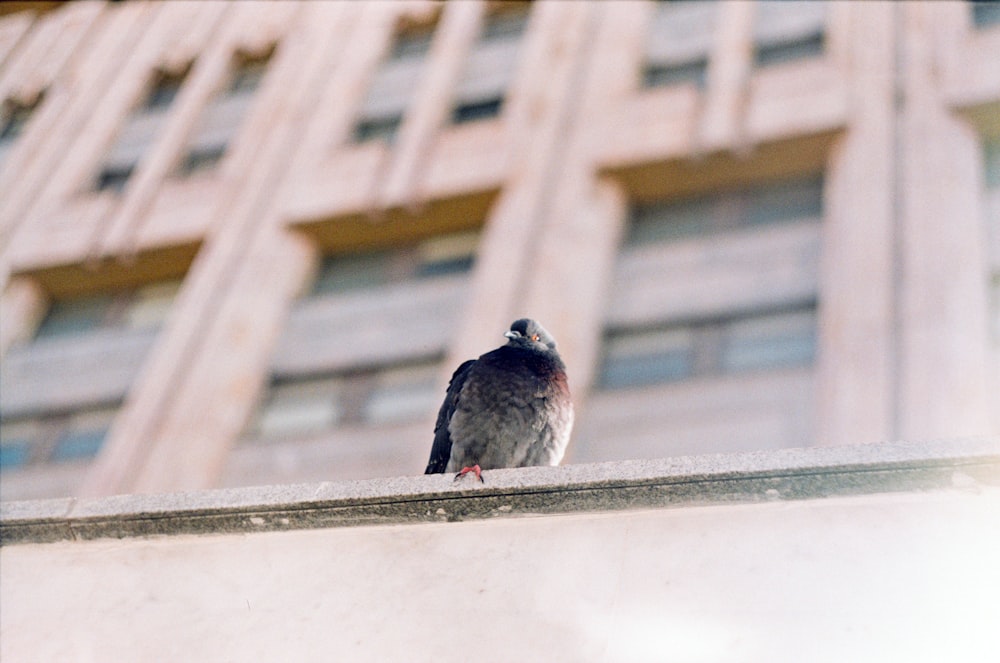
x=509, y=408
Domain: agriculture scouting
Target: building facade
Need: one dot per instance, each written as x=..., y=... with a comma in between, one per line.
x=246, y=243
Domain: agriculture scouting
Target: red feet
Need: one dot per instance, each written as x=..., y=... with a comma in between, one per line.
x=475, y=469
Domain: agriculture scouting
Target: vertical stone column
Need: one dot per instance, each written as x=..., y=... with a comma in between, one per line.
x=856, y=344
x=503, y=277
x=205, y=372
x=428, y=111
x=23, y=304
x=196, y=430
x=725, y=96
x=944, y=299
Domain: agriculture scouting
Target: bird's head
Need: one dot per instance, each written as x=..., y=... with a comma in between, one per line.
x=528, y=333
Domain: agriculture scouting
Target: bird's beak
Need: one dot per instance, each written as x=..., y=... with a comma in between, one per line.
x=511, y=334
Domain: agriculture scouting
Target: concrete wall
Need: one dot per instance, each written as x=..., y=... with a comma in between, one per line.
x=871, y=553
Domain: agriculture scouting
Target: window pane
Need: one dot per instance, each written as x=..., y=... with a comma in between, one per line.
x=403, y=394
x=679, y=41
x=792, y=200
x=660, y=222
x=83, y=435
x=490, y=65
x=164, y=90
x=412, y=44
x=985, y=13
x=18, y=439
x=75, y=316
x=477, y=110
x=223, y=116
x=377, y=129
x=392, y=87
x=642, y=358
x=114, y=179
x=794, y=50
x=787, y=30
x=666, y=75
x=77, y=445
x=787, y=339
x=15, y=454
x=786, y=201
x=247, y=76
x=201, y=159
x=141, y=129
x=353, y=272
x=449, y=254
x=15, y=118
x=151, y=304
x=301, y=407
x=991, y=168
x=506, y=24
x=991, y=159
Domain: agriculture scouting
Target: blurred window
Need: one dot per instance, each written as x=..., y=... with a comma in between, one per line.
x=393, y=394
x=140, y=131
x=745, y=337
x=679, y=42
x=746, y=342
x=14, y=117
x=991, y=176
x=53, y=438
x=787, y=30
x=394, y=86
x=491, y=64
x=438, y=256
x=985, y=14
x=145, y=307
x=222, y=118
x=740, y=209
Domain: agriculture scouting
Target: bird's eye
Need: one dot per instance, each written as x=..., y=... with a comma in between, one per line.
x=534, y=337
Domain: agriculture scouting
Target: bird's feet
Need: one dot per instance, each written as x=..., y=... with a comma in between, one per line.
x=475, y=469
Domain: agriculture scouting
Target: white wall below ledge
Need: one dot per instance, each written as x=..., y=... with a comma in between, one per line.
x=870, y=553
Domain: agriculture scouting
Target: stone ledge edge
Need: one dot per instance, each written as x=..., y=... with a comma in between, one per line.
x=744, y=477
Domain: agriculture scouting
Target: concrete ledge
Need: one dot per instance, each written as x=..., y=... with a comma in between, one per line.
x=789, y=474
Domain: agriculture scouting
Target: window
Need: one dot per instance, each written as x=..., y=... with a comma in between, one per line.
x=58, y=438
x=491, y=64
x=678, y=43
x=710, y=337
x=60, y=392
x=985, y=14
x=782, y=202
x=164, y=91
x=394, y=86
x=440, y=256
x=753, y=342
x=140, y=308
x=745, y=335
x=222, y=117
x=139, y=132
x=786, y=30
x=379, y=363
x=387, y=395
x=13, y=119
x=991, y=163
x=384, y=129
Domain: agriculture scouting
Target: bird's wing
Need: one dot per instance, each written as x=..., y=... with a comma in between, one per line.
x=441, y=449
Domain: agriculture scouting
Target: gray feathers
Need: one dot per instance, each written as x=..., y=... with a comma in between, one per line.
x=509, y=408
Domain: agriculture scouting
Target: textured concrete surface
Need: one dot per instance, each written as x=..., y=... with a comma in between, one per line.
x=874, y=553
x=886, y=577
x=682, y=481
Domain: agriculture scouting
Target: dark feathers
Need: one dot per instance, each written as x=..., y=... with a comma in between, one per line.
x=509, y=408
